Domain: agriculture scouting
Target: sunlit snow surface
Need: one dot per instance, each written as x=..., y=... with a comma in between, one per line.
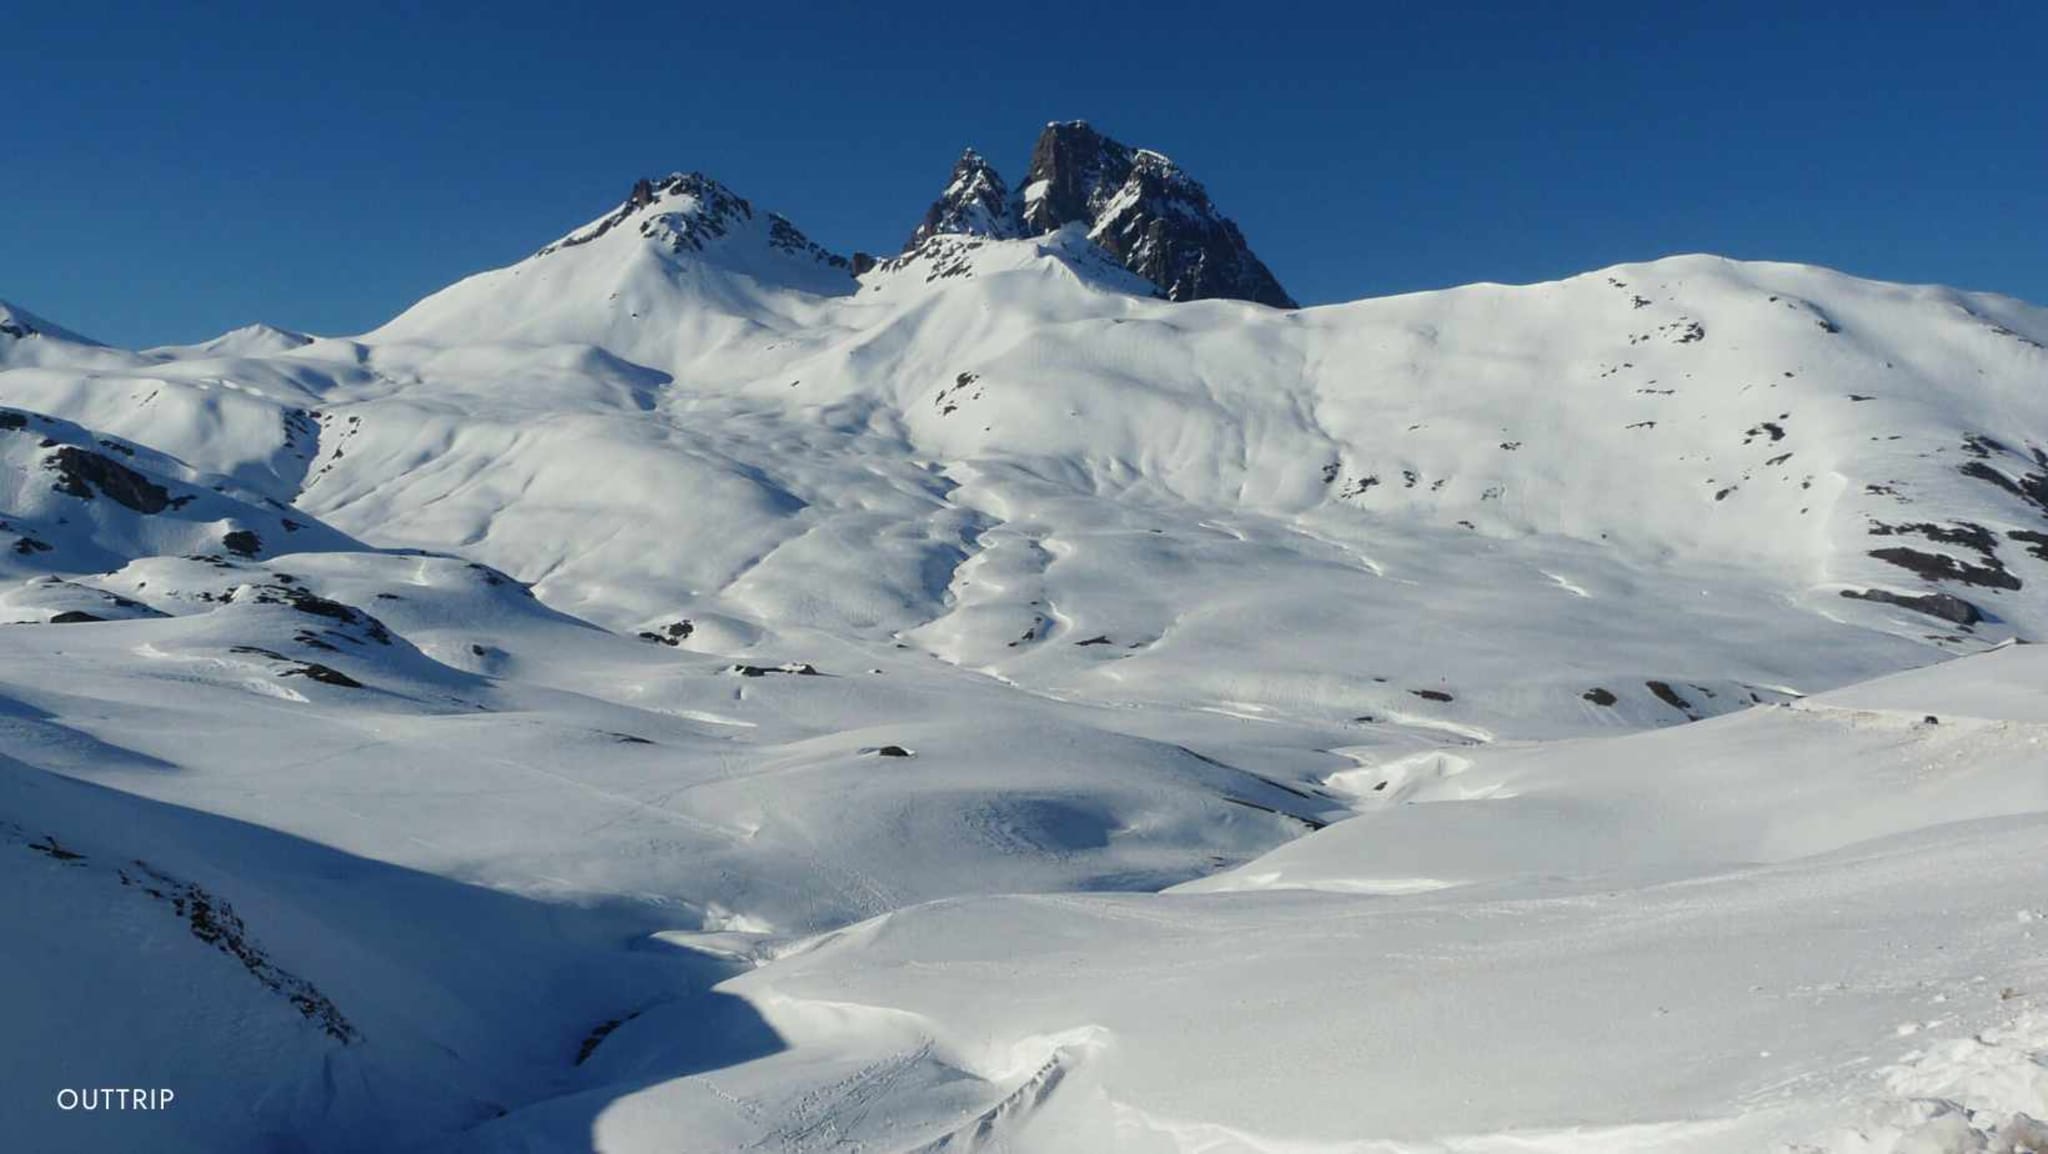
x=1064, y=720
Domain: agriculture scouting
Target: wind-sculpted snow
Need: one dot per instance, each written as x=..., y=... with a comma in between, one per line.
x=669, y=693
x=1824, y=941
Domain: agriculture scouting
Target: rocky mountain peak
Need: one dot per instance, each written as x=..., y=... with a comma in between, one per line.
x=1074, y=170
x=1162, y=225
x=685, y=211
x=976, y=202
x=1136, y=204
x=693, y=208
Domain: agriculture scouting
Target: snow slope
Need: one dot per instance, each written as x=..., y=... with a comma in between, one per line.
x=672, y=692
x=1822, y=938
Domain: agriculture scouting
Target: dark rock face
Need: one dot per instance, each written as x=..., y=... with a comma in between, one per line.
x=1671, y=697
x=1942, y=567
x=976, y=203
x=672, y=634
x=1137, y=205
x=795, y=668
x=1946, y=606
x=1080, y=169
x=1155, y=219
x=215, y=922
x=2036, y=542
x=325, y=674
x=81, y=473
x=598, y=1034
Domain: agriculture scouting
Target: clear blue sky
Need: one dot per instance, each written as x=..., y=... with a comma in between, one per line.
x=171, y=171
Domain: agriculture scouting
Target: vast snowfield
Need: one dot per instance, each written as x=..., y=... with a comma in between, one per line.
x=670, y=694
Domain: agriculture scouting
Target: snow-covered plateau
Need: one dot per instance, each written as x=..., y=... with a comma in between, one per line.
x=688, y=691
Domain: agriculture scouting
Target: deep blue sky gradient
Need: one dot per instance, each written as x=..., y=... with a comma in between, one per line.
x=171, y=171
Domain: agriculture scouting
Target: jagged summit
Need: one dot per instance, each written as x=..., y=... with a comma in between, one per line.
x=1162, y=225
x=1140, y=207
x=976, y=203
x=1074, y=170
x=686, y=245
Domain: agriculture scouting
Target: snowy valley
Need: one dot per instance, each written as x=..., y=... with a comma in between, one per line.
x=688, y=690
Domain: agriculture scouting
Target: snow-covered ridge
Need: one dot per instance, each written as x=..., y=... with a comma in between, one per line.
x=690, y=211
x=256, y=340
x=18, y=324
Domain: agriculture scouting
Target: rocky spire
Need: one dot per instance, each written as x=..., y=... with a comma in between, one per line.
x=1074, y=171
x=976, y=203
x=1138, y=206
x=1161, y=224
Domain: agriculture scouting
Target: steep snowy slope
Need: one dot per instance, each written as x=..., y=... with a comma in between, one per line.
x=76, y=502
x=682, y=269
x=290, y=995
x=666, y=603
x=27, y=339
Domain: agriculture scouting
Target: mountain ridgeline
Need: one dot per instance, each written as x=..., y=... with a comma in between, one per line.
x=1135, y=206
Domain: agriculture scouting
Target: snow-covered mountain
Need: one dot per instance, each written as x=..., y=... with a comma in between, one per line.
x=687, y=689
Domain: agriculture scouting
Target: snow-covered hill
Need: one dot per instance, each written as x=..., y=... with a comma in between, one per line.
x=1062, y=717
